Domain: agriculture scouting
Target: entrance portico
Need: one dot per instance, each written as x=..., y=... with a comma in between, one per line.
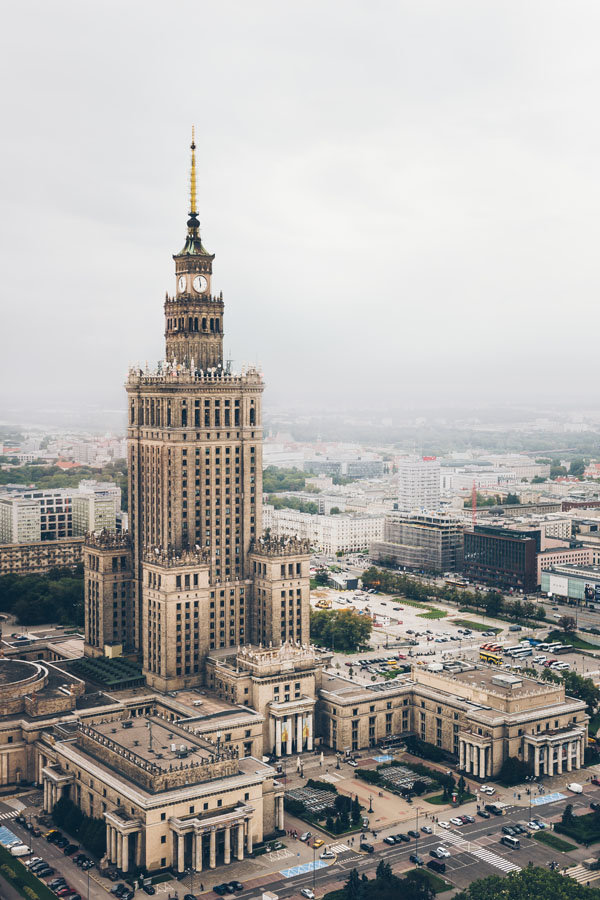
x=475, y=754
x=291, y=726
x=198, y=842
x=552, y=752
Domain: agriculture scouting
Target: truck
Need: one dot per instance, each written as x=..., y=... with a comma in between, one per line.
x=269, y=895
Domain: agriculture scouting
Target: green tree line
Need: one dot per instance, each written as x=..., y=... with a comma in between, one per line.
x=47, y=477
x=41, y=599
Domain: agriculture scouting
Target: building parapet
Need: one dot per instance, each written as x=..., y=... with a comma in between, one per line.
x=170, y=373
x=275, y=545
x=169, y=558
x=107, y=540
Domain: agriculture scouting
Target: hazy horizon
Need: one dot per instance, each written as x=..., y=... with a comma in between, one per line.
x=402, y=198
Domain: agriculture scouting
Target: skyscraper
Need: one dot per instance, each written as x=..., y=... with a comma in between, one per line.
x=195, y=500
x=419, y=484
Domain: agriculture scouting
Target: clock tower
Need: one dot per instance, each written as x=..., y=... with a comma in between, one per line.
x=193, y=316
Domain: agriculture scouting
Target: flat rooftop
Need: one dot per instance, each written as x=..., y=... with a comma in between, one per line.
x=482, y=677
x=135, y=737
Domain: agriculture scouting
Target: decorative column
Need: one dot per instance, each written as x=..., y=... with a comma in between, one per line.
x=536, y=760
x=249, y=837
x=277, y=737
x=240, y=841
x=227, y=845
x=125, y=852
x=550, y=756
x=113, y=844
x=213, y=848
x=560, y=758
x=119, y=851
x=299, y=734
x=475, y=760
x=138, y=849
x=569, y=756
x=198, y=852
x=108, y=847
x=309, y=739
x=577, y=754
x=45, y=783
x=461, y=754
x=288, y=744
x=280, y=813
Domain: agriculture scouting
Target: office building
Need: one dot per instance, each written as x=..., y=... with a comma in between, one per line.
x=331, y=534
x=501, y=557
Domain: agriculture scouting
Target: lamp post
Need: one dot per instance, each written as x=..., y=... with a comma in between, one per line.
x=370, y=803
x=314, y=865
x=419, y=808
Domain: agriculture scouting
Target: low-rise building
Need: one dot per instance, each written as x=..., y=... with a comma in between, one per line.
x=477, y=714
x=40, y=556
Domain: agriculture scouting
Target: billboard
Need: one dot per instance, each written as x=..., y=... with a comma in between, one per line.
x=559, y=585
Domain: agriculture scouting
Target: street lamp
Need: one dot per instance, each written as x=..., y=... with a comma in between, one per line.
x=314, y=866
x=370, y=803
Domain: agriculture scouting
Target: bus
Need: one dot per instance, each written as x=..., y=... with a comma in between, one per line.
x=508, y=651
x=522, y=653
x=488, y=657
x=563, y=648
x=552, y=648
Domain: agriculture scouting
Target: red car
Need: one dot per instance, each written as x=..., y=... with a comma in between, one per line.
x=596, y=780
x=401, y=656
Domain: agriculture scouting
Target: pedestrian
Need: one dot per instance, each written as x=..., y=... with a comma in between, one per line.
x=201, y=886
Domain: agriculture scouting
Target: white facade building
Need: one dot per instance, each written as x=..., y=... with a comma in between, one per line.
x=328, y=534
x=419, y=484
x=20, y=520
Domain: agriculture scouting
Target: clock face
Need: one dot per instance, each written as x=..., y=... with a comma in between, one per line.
x=200, y=284
x=182, y=283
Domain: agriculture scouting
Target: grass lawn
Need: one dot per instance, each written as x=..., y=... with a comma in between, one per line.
x=546, y=837
x=433, y=614
x=570, y=639
x=584, y=829
x=406, y=602
x=475, y=626
x=437, y=884
x=20, y=878
x=438, y=799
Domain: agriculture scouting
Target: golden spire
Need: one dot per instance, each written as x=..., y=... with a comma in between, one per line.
x=193, y=210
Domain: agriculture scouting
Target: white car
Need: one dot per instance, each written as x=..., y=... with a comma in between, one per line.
x=306, y=892
x=534, y=826
x=456, y=821
x=327, y=854
x=444, y=824
x=33, y=861
x=487, y=789
x=441, y=851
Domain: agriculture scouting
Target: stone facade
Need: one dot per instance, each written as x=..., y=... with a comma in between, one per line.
x=109, y=616
x=40, y=556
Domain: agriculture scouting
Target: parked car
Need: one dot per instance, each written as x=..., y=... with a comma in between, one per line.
x=413, y=833
x=390, y=839
x=444, y=824
x=426, y=829
x=235, y=886
x=483, y=813
x=308, y=893
x=368, y=848
x=403, y=837
x=533, y=825
x=439, y=853
x=149, y=889
x=437, y=865
x=305, y=835
x=189, y=897
x=318, y=843
x=416, y=859
x=456, y=821
x=467, y=820
x=352, y=762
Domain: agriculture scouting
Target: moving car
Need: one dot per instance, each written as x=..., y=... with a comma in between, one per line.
x=318, y=843
x=306, y=835
x=327, y=854
x=426, y=829
x=307, y=892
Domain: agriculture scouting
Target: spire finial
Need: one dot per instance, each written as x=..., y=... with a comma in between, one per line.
x=193, y=210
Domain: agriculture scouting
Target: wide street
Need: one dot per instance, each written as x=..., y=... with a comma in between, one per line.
x=475, y=849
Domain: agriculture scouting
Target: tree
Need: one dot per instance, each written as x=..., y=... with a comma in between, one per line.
x=494, y=604
x=577, y=467
x=352, y=887
x=322, y=576
x=334, y=511
x=462, y=787
x=343, y=629
x=512, y=499
x=567, y=816
x=531, y=883
x=567, y=624
x=384, y=871
x=557, y=471
x=513, y=771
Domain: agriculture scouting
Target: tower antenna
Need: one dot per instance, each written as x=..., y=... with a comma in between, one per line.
x=193, y=210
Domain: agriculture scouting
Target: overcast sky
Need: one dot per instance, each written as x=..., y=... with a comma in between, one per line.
x=403, y=197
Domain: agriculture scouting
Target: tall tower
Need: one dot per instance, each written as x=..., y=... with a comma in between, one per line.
x=195, y=481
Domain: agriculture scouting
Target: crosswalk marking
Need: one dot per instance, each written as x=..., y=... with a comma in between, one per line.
x=493, y=859
x=581, y=875
x=8, y=815
x=339, y=848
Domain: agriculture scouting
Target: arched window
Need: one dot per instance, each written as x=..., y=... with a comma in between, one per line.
x=204, y=323
x=217, y=326
x=212, y=325
x=252, y=416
